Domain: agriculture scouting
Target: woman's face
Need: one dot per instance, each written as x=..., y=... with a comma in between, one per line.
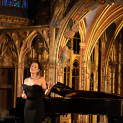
x=34, y=68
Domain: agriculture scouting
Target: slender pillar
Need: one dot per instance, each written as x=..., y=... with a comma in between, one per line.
x=113, y=79
x=99, y=67
x=52, y=72
x=20, y=78
x=59, y=73
x=102, y=65
x=81, y=75
x=81, y=67
x=119, y=66
x=15, y=86
x=96, y=69
x=52, y=58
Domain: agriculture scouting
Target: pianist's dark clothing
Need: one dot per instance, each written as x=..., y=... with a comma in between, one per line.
x=34, y=106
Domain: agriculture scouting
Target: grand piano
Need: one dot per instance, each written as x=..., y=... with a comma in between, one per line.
x=77, y=102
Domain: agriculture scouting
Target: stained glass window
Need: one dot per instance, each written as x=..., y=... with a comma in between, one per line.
x=4, y=2
x=25, y=4
x=15, y=3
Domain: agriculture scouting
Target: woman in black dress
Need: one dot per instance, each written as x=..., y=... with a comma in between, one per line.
x=34, y=88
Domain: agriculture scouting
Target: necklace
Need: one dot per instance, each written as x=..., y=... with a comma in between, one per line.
x=34, y=77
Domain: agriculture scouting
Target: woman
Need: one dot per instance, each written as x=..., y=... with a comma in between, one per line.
x=34, y=88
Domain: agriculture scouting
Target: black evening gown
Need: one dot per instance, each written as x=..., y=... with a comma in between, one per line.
x=34, y=105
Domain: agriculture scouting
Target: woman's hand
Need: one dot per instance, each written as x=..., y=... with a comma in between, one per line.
x=49, y=88
x=24, y=96
x=50, y=85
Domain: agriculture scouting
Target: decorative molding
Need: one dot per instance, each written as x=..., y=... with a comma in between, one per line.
x=7, y=20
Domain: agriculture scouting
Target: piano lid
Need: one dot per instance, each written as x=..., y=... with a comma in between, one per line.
x=66, y=91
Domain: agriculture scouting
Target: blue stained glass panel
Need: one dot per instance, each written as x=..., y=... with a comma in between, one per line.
x=15, y=3
x=4, y=2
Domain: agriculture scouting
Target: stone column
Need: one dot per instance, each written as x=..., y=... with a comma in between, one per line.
x=81, y=67
x=85, y=75
x=102, y=84
x=113, y=79
x=52, y=73
x=59, y=73
x=120, y=64
x=20, y=78
x=52, y=56
x=96, y=64
x=81, y=74
x=15, y=86
x=109, y=79
x=88, y=75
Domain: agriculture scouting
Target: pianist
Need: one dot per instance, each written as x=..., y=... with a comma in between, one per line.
x=34, y=88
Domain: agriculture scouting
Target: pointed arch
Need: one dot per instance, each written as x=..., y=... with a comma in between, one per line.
x=2, y=37
x=7, y=35
x=100, y=24
x=119, y=25
x=82, y=30
x=60, y=39
x=27, y=44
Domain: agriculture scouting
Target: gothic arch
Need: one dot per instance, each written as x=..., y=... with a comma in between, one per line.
x=73, y=14
x=104, y=17
x=100, y=24
x=24, y=49
x=77, y=13
x=7, y=35
x=119, y=25
x=2, y=37
x=27, y=44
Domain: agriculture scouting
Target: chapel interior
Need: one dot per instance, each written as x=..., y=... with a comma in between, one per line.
x=77, y=42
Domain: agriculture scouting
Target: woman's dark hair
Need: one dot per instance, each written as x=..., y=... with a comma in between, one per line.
x=39, y=65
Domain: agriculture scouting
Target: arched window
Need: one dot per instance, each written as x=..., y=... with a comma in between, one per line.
x=76, y=41
x=71, y=73
x=75, y=75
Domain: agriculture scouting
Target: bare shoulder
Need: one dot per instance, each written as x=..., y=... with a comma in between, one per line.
x=26, y=80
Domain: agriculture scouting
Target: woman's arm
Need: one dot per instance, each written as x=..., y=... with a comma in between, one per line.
x=49, y=88
x=24, y=96
x=44, y=87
